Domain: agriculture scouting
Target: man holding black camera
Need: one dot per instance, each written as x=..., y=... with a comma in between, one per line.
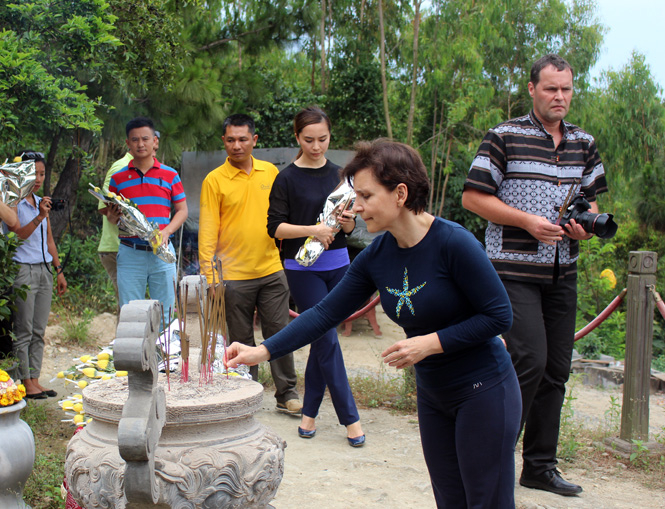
x=522, y=180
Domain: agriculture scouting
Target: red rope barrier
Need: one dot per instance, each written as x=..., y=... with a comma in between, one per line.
x=659, y=301
x=355, y=315
x=602, y=316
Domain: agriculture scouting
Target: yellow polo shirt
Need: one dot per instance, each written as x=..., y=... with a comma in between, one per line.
x=232, y=222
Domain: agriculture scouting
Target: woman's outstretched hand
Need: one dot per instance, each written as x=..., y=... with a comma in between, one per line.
x=238, y=353
x=412, y=350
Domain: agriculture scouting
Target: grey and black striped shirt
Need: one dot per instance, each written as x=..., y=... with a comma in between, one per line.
x=517, y=162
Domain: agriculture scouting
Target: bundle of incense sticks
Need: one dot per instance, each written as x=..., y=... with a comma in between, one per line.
x=212, y=321
x=166, y=346
x=181, y=309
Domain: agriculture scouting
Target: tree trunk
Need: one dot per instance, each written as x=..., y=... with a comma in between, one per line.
x=360, y=34
x=414, y=74
x=384, y=84
x=323, y=46
x=435, y=146
x=50, y=161
x=68, y=184
x=436, y=136
x=445, y=181
x=313, y=64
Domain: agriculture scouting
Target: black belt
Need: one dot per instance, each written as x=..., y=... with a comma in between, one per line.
x=139, y=247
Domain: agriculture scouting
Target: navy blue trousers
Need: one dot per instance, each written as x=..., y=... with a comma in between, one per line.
x=325, y=365
x=468, y=439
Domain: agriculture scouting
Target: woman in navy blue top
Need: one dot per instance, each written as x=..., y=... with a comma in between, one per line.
x=296, y=200
x=437, y=283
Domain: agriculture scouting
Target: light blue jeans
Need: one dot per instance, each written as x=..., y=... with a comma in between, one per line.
x=138, y=269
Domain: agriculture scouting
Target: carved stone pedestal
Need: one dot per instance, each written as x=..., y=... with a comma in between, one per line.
x=193, y=446
x=212, y=453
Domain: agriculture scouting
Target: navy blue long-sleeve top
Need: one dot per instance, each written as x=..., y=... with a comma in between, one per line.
x=444, y=284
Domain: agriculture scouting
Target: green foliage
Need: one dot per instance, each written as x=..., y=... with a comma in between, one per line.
x=77, y=328
x=354, y=103
x=640, y=454
x=50, y=53
x=568, y=428
x=613, y=416
x=8, y=272
x=89, y=288
x=595, y=293
x=42, y=490
x=383, y=391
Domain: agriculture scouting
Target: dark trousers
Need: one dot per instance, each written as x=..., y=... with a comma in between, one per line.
x=540, y=343
x=469, y=440
x=269, y=295
x=325, y=364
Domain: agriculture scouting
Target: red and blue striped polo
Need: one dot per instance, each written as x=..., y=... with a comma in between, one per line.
x=153, y=191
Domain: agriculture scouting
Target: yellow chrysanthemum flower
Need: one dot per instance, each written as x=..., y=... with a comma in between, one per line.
x=4, y=401
x=4, y=377
x=21, y=390
x=609, y=275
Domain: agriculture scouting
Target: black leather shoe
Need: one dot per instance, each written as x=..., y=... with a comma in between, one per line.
x=550, y=480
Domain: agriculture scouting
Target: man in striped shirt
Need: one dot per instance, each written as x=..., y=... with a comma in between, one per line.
x=154, y=188
x=519, y=180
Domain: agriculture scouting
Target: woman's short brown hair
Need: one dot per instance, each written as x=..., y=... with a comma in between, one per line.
x=393, y=163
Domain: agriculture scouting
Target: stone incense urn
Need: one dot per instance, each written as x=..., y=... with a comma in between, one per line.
x=193, y=446
x=17, y=455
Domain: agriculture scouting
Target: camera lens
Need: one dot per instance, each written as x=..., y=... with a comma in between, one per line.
x=604, y=226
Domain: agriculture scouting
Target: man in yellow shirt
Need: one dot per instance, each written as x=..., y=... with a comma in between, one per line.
x=232, y=225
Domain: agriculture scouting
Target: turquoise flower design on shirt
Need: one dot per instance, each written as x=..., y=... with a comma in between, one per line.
x=405, y=294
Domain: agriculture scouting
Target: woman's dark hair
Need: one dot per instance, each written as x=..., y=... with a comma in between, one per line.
x=32, y=155
x=308, y=116
x=393, y=163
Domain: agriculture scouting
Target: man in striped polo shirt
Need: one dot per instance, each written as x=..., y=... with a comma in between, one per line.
x=154, y=188
x=519, y=180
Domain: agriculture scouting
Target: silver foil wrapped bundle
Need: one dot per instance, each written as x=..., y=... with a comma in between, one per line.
x=17, y=180
x=341, y=199
x=134, y=223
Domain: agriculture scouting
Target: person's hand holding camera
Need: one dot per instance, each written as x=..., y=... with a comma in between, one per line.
x=44, y=209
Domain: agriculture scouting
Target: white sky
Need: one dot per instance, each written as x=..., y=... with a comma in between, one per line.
x=632, y=25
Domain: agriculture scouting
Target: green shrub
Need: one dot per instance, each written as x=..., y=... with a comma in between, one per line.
x=8, y=272
x=88, y=284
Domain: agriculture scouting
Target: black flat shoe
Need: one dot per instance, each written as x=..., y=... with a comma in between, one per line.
x=550, y=480
x=50, y=393
x=38, y=395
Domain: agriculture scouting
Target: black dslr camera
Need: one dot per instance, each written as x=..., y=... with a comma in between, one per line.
x=602, y=225
x=58, y=203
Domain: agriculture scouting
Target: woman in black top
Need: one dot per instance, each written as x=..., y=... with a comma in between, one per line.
x=296, y=199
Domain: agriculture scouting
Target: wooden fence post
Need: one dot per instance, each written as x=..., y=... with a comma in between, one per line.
x=639, y=337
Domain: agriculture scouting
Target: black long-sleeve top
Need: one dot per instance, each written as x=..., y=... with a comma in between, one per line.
x=297, y=197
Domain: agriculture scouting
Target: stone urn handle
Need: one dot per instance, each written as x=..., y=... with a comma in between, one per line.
x=144, y=414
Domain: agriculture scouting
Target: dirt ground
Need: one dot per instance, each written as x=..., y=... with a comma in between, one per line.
x=389, y=472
